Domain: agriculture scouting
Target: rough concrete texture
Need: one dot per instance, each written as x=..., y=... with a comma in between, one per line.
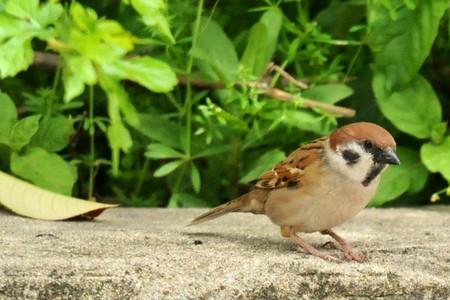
x=149, y=254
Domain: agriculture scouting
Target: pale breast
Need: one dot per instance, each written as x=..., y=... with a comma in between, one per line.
x=328, y=200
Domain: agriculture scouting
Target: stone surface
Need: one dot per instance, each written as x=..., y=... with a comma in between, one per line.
x=149, y=254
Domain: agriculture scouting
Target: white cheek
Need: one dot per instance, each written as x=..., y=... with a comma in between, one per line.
x=356, y=172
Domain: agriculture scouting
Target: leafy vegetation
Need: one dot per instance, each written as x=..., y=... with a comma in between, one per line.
x=184, y=103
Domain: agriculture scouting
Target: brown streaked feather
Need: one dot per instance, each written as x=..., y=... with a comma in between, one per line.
x=362, y=131
x=290, y=171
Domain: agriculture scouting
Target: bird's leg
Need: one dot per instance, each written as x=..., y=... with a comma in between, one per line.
x=290, y=232
x=349, y=252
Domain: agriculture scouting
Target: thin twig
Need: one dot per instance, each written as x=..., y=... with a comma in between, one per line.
x=273, y=67
x=52, y=60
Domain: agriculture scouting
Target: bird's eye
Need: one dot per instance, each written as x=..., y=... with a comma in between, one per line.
x=368, y=144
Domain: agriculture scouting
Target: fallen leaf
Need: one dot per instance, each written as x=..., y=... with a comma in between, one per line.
x=31, y=201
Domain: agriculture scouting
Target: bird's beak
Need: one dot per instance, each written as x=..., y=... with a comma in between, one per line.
x=387, y=156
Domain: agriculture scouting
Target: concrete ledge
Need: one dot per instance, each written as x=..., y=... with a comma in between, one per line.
x=149, y=254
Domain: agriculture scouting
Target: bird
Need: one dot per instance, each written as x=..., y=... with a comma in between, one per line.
x=319, y=186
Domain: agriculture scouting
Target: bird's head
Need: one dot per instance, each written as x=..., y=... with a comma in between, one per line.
x=361, y=151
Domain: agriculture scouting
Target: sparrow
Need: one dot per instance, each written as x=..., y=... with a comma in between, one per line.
x=319, y=186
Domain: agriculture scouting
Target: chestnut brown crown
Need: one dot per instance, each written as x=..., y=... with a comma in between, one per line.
x=361, y=131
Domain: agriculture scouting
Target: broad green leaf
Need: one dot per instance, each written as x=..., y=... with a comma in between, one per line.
x=23, y=9
x=44, y=169
x=213, y=150
x=410, y=176
x=263, y=163
x=49, y=13
x=216, y=52
x=186, y=200
x=160, y=129
x=413, y=108
x=160, y=151
x=16, y=55
x=400, y=46
x=54, y=133
x=168, y=168
x=22, y=132
x=8, y=117
x=330, y=93
x=119, y=137
x=78, y=71
x=195, y=178
x=262, y=42
x=309, y=121
x=31, y=201
x=151, y=73
x=83, y=17
x=153, y=13
x=437, y=157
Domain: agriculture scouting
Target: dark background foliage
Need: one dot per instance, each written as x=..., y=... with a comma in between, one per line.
x=153, y=103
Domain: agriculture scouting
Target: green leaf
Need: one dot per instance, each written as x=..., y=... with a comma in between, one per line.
x=160, y=129
x=437, y=157
x=410, y=176
x=160, y=151
x=77, y=72
x=309, y=121
x=154, y=14
x=330, y=93
x=195, y=178
x=8, y=118
x=151, y=73
x=31, y=201
x=54, y=133
x=168, y=168
x=400, y=46
x=413, y=108
x=22, y=132
x=262, y=42
x=49, y=13
x=213, y=150
x=186, y=200
x=23, y=9
x=263, y=163
x=47, y=170
x=216, y=52
x=16, y=55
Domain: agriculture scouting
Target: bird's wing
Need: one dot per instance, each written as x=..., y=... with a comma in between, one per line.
x=289, y=172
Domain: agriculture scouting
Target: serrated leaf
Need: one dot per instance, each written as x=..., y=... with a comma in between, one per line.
x=31, y=201
x=410, y=176
x=78, y=71
x=151, y=73
x=54, y=133
x=44, y=169
x=8, y=118
x=195, y=178
x=23, y=9
x=153, y=13
x=168, y=168
x=160, y=151
x=16, y=55
x=330, y=93
x=437, y=157
x=263, y=163
x=417, y=98
x=22, y=132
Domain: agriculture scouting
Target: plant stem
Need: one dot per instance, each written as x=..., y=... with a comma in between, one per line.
x=141, y=178
x=188, y=100
x=92, y=143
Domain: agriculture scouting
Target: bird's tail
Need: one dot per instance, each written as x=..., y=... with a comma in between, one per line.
x=238, y=204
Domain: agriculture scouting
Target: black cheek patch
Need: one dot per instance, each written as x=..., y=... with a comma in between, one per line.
x=350, y=156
